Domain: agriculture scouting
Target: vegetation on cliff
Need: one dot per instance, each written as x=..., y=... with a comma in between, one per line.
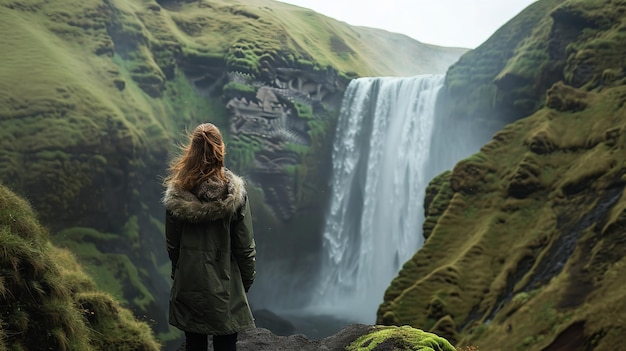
x=48, y=300
x=399, y=338
x=474, y=84
x=524, y=240
x=505, y=79
x=254, y=36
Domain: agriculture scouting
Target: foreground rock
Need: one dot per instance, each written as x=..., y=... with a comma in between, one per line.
x=354, y=337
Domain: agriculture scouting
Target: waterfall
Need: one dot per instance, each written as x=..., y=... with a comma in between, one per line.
x=374, y=222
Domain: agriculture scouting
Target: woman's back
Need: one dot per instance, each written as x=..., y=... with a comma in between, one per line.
x=210, y=243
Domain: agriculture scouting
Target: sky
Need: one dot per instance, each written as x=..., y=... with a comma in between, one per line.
x=454, y=23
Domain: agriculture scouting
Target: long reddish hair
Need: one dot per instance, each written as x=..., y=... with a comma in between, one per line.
x=200, y=159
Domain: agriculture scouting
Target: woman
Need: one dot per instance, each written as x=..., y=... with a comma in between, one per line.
x=210, y=243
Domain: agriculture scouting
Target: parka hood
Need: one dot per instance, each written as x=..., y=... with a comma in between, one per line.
x=214, y=199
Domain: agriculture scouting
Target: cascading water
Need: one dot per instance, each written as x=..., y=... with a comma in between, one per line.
x=375, y=217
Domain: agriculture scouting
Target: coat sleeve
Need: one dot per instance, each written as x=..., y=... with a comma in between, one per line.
x=244, y=248
x=173, y=230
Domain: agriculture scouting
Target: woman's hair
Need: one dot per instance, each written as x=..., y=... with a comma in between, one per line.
x=200, y=159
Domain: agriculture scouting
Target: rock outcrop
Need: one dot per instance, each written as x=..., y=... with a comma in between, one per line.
x=352, y=338
x=278, y=115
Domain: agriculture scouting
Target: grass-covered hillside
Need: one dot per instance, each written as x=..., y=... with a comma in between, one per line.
x=525, y=244
x=506, y=77
x=47, y=301
x=92, y=92
x=253, y=33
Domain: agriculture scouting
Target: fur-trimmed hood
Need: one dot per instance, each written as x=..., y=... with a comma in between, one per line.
x=214, y=200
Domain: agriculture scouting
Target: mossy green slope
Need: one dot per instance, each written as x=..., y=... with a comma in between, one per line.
x=251, y=34
x=66, y=127
x=506, y=77
x=48, y=301
x=399, y=339
x=471, y=83
x=525, y=238
x=529, y=242
x=85, y=128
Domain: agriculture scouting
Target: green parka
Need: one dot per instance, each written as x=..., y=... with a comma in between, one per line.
x=211, y=245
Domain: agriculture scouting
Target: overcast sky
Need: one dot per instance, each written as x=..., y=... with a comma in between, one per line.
x=460, y=23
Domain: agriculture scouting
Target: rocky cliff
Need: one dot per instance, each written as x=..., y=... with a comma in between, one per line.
x=94, y=94
x=525, y=239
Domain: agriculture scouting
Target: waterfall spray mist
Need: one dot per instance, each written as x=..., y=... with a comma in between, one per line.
x=374, y=221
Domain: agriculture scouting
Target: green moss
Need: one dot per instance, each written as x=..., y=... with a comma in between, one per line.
x=402, y=338
x=43, y=289
x=506, y=77
x=84, y=242
x=488, y=248
x=527, y=64
x=437, y=198
x=244, y=56
x=187, y=108
x=540, y=199
x=496, y=83
x=67, y=114
x=598, y=46
x=130, y=231
x=248, y=37
x=113, y=273
x=132, y=276
x=114, y=327
x=242, y=151
x=304, y=110
x=235, y=89
x=238, y=87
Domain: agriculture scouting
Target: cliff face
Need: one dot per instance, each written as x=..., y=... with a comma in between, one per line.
x=506, y=78
x=524, y=239
x=94, y=94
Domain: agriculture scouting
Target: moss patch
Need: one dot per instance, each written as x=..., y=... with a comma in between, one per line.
x=399, y=339
x=48, y=299
x=113, y=273
x=251, y=35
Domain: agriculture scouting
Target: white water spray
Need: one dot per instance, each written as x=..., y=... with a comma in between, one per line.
x=374, y=222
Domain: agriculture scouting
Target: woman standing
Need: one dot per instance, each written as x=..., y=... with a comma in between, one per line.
x=210, y=243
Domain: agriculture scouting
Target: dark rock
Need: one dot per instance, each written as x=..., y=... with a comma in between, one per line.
x=525, y=180
x=564, y=98
x=120, y=84
x=154, y=7
x=541, y=143
x=269, y=320
x=260, y=339
x=469, y=175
